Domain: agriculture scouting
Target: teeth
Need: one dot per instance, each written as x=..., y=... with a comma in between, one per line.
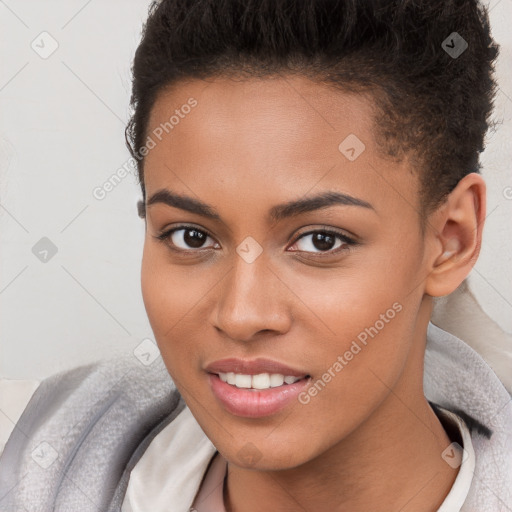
x=260, y=381
x=276, y=379
x=243, y=381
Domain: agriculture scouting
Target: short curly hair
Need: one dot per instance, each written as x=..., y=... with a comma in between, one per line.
x=431, y=105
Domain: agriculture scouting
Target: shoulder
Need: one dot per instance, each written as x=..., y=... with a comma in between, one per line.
x=91, y=390
x=459, y=380
x=86, y=423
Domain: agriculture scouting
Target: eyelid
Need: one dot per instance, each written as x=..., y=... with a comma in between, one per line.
x=343, y=233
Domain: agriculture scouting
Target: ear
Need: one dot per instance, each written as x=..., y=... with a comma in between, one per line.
x=141, y=209
x=454, y=234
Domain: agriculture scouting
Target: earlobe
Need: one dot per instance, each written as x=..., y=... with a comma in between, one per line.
x=456, y=236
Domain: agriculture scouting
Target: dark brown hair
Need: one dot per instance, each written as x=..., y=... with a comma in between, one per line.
x=431, y=103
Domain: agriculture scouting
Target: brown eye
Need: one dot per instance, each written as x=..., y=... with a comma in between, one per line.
x=185, y=238
x=190, y=237
x=323, y=241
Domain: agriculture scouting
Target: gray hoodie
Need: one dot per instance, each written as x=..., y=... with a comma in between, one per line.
x=85, y=429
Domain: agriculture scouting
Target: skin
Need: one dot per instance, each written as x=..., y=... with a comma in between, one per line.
x=369, y=440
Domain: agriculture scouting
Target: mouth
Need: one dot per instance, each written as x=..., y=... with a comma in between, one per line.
x=260, y=381
x=256, y=396
x=245, y=369
x=255, y=388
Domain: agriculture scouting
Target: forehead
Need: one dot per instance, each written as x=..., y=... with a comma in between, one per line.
x=278, y=112
x=279, y=137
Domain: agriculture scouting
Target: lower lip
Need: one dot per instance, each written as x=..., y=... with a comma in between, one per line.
x=255, y=403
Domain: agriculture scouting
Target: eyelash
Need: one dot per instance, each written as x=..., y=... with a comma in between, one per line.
x=165, y=236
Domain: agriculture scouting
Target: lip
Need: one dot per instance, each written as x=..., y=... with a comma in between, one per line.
x=253, y=367
x=255, y=403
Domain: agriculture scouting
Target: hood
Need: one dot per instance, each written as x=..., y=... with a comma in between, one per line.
x=457, y=378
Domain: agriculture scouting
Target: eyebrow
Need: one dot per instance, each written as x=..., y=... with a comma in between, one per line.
x=276, y=213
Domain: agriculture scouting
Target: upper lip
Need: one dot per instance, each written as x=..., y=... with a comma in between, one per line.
x=253, y=367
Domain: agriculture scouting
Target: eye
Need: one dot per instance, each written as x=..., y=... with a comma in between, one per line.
x=324, y=241
x=184, y=238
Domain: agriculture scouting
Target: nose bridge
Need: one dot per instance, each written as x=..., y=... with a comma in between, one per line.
x=250, y=300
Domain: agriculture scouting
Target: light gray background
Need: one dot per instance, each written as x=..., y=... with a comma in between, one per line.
x=62, y=122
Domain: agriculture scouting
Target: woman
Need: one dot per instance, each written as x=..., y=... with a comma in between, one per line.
x=310, y=182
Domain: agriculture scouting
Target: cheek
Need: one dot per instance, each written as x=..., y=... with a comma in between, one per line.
x=360, y=326
x=153, y=292
x=169, y=291
x=354, y=369
x=348, y=302
x=173, y=297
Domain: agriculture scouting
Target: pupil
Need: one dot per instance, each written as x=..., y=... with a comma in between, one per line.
x=323, y=242
x=196, y=240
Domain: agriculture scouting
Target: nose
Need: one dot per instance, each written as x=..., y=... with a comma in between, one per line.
x=252, y=301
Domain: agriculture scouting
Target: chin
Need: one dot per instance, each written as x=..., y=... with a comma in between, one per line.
x=266, y=456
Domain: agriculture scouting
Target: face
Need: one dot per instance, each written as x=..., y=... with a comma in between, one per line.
x=332, y=293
